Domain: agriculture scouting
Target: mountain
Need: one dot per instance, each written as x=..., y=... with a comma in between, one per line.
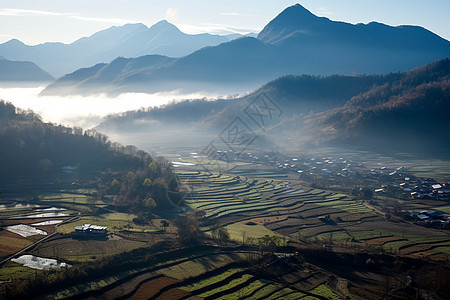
x=293, y=94
x=294, y=42
x=408, y=114
x=88, y=80
x=130, y=40
x=207, y=69
x=405, y=110
x=22, y=71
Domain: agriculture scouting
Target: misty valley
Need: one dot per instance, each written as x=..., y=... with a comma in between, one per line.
x=309, y=161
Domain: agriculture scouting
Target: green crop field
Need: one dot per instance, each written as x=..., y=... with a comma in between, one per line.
x=211, y=280
x=235, y=282
x=17, y=271
x=325, y=291
x=436, y=169
x=245, y=291
x=444, y=249
x=197, y=266
x=240, y=231
x=265, y=291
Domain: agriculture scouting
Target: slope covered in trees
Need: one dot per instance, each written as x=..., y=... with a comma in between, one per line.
x=410, y=113
x=36, y=153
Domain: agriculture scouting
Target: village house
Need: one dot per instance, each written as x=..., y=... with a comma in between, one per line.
x=91, y=229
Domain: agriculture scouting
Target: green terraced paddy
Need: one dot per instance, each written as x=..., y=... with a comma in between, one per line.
x=427, y=240
x=444, y=249
x=396, y=245
x=325, y=291
x=239, y=231
x=197, y=266
x=235, y=282
x=437, y=169
x=336, y=236
x=244, y=292
x=368, y=234
x=211, y=280
x=281, y=294
x=265, y=291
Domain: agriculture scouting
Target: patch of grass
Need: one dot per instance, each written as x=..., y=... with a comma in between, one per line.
x=437, y=169
x=197, y=266
x=445, y=209
x=262, y=293
x=443, y=249
x=12, y=270
x=396, y=245
x=211, y=280
x=325, y=291
x=336, y=236
x=244, y=292
x=240, y=230
x=429, y=239
x=281, y=294
x=85, y=250
x=77, y=207
x=368, y=234
x=15, y=212
x=231, y=284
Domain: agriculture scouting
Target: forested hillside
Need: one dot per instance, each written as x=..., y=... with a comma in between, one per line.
x=410, y=113
x=37, y=152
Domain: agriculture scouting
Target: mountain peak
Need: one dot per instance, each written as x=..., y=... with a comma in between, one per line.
x=15, y=42
x=298, y=9
x=293, y=18
x=164, y=25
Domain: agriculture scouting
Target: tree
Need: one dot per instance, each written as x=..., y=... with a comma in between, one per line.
x=214, y=228
x=188, y=228
x=150, y=203
x=164, y=225
x=115, y=183
x=152, y=166
x=147, y=182
x=223, y=235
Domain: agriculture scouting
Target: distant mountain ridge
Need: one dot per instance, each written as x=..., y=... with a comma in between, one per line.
x=22, y=71
x=295, y=42
x=406, y=110
x=130, y=40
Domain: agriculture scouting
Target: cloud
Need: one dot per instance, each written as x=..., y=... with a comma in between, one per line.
x=324, y=11
x=6, y=37
x=172, y=14
x=230, y=14
x=15, y=12
x=214, y=29
x=86, y=111
x=105, y=20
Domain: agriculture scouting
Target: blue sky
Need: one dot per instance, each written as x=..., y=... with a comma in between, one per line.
x=35, y=22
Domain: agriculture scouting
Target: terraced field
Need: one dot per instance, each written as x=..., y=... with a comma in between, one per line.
x=255, y=207
x=252, y=204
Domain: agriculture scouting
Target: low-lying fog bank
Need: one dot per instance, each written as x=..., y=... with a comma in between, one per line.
x=87, y=111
